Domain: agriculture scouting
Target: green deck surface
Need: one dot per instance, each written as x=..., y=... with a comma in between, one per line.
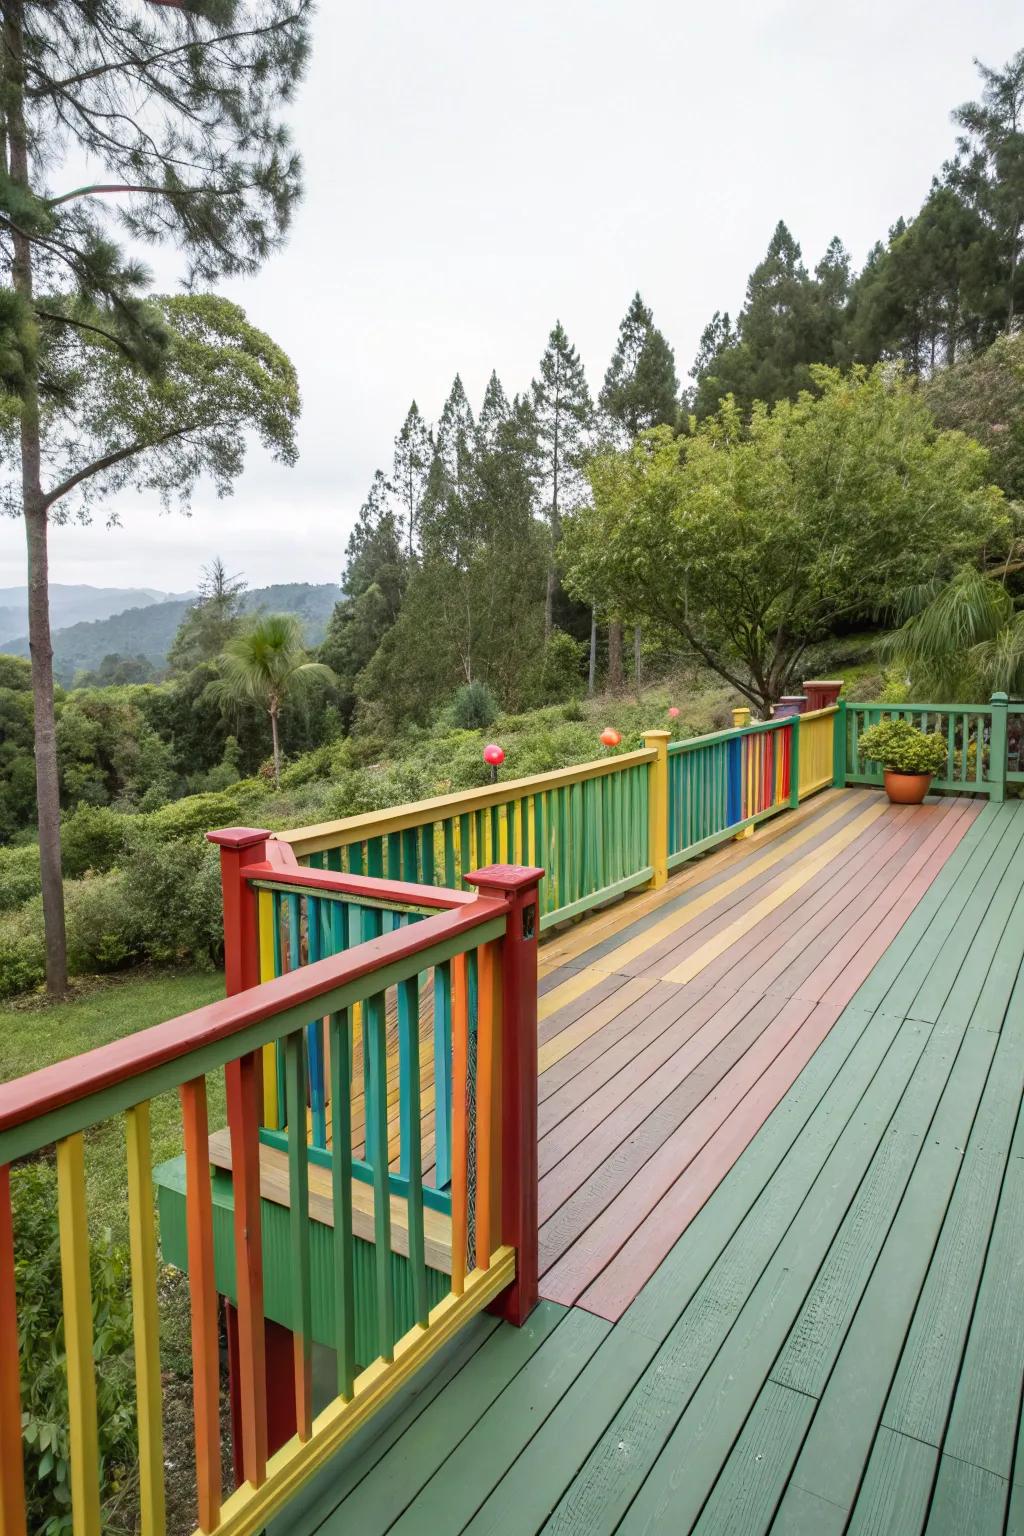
x=835, y=1343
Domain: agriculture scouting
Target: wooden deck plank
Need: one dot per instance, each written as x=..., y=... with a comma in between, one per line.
x=895, y=1494
x=771, y=1254
x=379, y=1497
x=464, y=1479
x=809, y=1299
x=747, y=1494
x=966, y=1498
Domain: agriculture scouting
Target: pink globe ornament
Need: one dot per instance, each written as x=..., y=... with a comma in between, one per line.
x=494, y=755
x=610, y=737
x=673, y=713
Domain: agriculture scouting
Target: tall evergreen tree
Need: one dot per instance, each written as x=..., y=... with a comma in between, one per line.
x=446, y=513
x=564, y=414
x=177, y=111
x=640, y=387
x=211, y=621
x=414, y=450
x=989, y=167
x=494, y=413
x=373, y=587
x=640, y=391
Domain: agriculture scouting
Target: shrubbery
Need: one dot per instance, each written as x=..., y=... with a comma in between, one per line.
x=474, y=707
x=43, y=1358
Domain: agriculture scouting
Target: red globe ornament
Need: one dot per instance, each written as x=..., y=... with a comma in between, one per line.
x=610, y=737
x=673, y=713
x=494, y=755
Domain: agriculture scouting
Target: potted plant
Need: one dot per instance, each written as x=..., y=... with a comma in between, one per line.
x=910, y=758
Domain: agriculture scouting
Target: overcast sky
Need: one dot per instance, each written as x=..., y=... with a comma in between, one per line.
x=475, y=171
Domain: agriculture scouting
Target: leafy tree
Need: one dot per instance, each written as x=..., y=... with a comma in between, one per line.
x=268, y=665
x=178, y=110
x=17, y=771
x=115, y=670
x=211, y=620
x=750, y=541
x=984, y=397
x=564, y=413
x=640, y=387
x=989, y=166
x=414, y=450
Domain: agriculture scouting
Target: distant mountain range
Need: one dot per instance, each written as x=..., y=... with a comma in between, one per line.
x=76, y=604
x=148, y=627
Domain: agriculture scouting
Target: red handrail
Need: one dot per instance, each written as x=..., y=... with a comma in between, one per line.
x=67, y=1082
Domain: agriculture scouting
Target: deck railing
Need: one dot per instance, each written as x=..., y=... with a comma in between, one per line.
x=486, y=944
x=720, y=784
x=587, y=827
x=976, y=744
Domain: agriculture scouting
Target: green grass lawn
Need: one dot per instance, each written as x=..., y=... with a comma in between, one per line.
x=34, y=1034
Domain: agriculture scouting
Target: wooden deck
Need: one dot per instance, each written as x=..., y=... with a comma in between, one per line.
x=782, y=1187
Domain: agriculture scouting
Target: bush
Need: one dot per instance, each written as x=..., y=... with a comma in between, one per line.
x=91, y=838
x=104, y=932
x=43, y=1353
x=196, y=813
x=19, y=876
x=22, y=949
x=557, y=673
x=172, y=891
x=902, y=748
x=473, y=708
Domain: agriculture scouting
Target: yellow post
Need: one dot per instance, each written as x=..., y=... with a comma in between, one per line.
x=741, y=717
x=657, y=806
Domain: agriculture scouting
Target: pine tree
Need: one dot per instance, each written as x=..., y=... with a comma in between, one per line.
x=178, y=109
x=446, y=511
x=564, y=413
x=640, y=388
x=494, y=413
x=211, y=621
x=989, y=167
x=414, y=450
x=640, y=391
x=373, y=584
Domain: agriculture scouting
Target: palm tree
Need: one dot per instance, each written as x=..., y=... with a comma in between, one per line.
x=266, y=664
x=960, y=639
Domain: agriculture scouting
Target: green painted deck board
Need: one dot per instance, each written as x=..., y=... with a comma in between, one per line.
x=836, y=1340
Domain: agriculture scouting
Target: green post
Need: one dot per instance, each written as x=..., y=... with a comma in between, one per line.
x=998, y=704
x=839, y=746
x=794, y=764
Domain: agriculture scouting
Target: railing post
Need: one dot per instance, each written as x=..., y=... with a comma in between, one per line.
x=518, y=1077
x=794, y=763
x=997, y=747
x=252, y=1386
x=741, y=716
x=657, y=806
x=239, y=846
x=839, y=746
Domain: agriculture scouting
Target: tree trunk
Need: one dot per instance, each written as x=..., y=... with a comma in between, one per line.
x=592, y=672
x=616, y=675
x=35, y=513
x=637, y=649
x=277, y=745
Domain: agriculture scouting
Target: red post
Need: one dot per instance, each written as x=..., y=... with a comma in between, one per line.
x=280, y=1406
x=239, y=846
x=518, y=885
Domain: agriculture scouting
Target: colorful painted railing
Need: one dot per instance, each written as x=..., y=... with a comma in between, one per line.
x=491, y=934
x=720, y=784
x=975, y=735
x=817, y=749
x=303, y=915
x=586, y=827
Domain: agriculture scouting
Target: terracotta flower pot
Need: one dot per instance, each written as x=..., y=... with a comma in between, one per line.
x=906, y=788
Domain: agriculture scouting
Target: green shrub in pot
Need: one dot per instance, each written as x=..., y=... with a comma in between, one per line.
x=901, y=748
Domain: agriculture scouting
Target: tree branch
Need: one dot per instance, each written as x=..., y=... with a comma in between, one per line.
x=109, y=460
